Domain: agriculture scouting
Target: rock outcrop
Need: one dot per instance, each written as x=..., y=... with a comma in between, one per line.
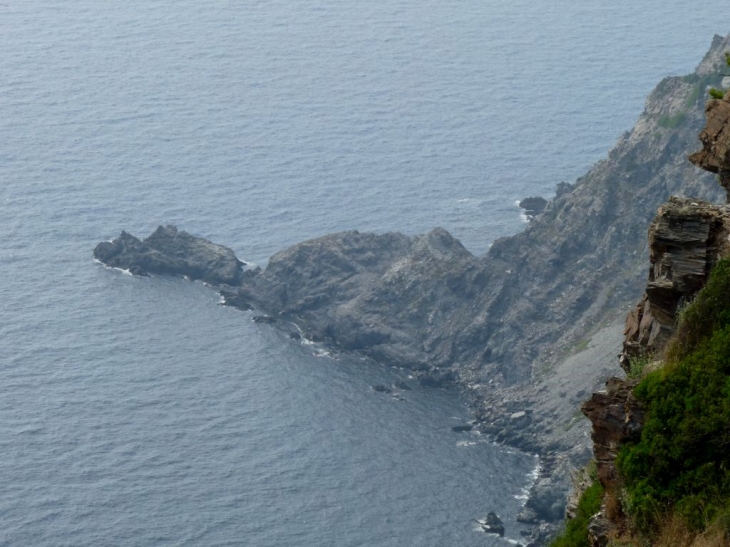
x=533, y=206
x=492, y=524
x=171, y=252
x=685, y=240
x=390, y=297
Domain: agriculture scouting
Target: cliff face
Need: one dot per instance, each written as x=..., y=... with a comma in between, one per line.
x=511, y=324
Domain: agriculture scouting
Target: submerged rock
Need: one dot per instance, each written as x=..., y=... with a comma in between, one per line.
x=264, y=319
x=402, y=385
x=492, y=524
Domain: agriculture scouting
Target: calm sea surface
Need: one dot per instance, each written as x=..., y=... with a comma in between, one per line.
x=138, y=412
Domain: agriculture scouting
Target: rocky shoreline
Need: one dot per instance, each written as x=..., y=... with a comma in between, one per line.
x=169, y=251
x=527, y=331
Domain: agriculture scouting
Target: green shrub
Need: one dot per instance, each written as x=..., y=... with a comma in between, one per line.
x=576, y=530
x=709, y=311
x=719, y=93
x=716, y=93
x=637, y=365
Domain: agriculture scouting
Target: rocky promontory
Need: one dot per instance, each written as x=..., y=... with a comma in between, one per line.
x=529, y=329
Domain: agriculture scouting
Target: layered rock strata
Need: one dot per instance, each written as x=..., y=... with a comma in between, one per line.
x=685, y=240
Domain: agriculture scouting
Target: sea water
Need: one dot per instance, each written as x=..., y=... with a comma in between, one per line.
x=136, y=411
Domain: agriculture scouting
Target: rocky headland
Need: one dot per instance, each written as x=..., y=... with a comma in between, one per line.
x=528, y=330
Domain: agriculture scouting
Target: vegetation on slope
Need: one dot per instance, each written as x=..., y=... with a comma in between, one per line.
x=576, y=530
x=681, y=467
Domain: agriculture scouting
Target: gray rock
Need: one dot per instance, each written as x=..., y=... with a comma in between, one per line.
x=232, y=297
x=547, y=500
x=599, y=529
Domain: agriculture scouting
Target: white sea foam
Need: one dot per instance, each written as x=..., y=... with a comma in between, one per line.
x=462, y=444
x=532, y=476
x=122, y=270
x=523, y=214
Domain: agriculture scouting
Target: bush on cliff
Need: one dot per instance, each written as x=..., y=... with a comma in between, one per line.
x=708, y=312
x=576, y=530
x=682, y=463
